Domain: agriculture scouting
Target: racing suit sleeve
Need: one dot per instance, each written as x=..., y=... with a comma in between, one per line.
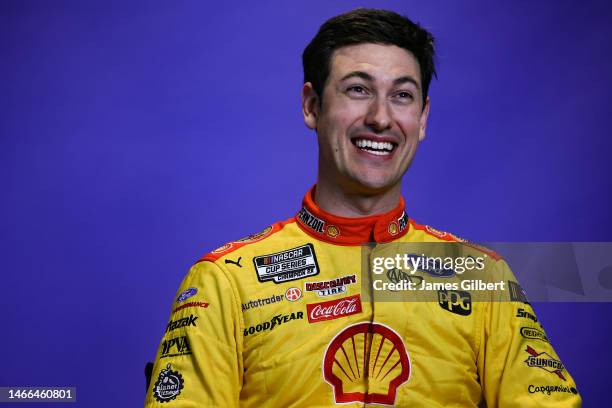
x=518, y=366
x=199, y=360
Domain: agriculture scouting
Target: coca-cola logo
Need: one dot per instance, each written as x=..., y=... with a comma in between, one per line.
x=334, y=309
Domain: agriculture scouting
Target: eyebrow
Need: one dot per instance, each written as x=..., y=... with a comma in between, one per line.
x=367, y=77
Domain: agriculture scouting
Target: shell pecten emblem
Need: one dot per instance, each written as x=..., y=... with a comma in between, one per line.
x=366, y=362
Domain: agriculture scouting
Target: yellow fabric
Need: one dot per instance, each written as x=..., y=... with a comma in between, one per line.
x=454, y=360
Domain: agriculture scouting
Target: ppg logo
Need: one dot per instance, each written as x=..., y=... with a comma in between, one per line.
x=455, y=301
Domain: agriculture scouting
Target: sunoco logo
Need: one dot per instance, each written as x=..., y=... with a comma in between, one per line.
x=545, y=362
x=273, y=323
x=531, y=333
x=168, y=386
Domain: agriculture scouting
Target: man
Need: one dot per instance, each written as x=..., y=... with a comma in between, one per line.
x=289, y=317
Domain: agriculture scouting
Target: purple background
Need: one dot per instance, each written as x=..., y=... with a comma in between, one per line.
x=136, y=136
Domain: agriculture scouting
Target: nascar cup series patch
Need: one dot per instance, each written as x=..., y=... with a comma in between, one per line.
x=289, y=265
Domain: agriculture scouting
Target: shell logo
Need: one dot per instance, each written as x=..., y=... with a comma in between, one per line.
x=366, y=362
x=333, y=231
x=393, y=228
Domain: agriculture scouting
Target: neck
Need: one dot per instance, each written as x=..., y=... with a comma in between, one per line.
x=344, y=202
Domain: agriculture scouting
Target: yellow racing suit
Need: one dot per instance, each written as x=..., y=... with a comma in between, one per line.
x=296, y=316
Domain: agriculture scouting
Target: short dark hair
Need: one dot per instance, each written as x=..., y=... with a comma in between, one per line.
x=367, y=26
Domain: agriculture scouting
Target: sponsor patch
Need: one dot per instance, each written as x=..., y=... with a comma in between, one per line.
x=231, y=261
x=293, y=294
x=526, y=315
x=186, y=294
x=455, y=301
x=366, y=353
x=517, y=294
x=191, y=304
x=437, y=233
x=252, y=304
x=399, y=225
x=289, y=265
x=544, y=361
x=550, y=389
x=312, y=222
x=178, y=346
x=256, y=237
x=333, y=231
x=184, y=322
x=222, y=248
x=331, y=287
x=273, y=323
x=533, y=333
x=333, y=309
x=168, y=385
x=397, y=275
x=402, y=222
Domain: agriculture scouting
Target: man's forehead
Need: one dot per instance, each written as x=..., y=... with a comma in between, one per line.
x=382, y=61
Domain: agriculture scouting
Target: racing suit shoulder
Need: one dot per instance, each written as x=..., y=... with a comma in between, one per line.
x=518, y=365
x=516, y=362
x=426, y=233
x=249, y=240
x=199, y=359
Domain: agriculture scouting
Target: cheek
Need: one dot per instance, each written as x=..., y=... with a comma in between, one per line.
x=344, y=120
x=410, y=124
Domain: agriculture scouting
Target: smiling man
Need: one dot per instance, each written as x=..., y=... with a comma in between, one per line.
x=369, y=121
x=289, y=317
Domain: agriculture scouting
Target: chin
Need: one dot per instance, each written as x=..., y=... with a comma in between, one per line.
x=375, y=184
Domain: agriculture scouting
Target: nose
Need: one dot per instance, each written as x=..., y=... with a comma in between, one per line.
x=378, y=117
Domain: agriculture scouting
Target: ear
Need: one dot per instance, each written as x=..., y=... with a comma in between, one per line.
x=423, y=120
x=310, y=105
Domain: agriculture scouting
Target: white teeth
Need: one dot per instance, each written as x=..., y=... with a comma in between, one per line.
x=379, y=148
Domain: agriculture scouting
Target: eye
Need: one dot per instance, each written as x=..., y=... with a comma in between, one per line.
x=404, y=95
x=357, y=89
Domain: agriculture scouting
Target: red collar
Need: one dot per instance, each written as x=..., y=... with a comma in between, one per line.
x=351, y=231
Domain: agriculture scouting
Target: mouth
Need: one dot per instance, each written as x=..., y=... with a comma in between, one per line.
x=377, y=148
